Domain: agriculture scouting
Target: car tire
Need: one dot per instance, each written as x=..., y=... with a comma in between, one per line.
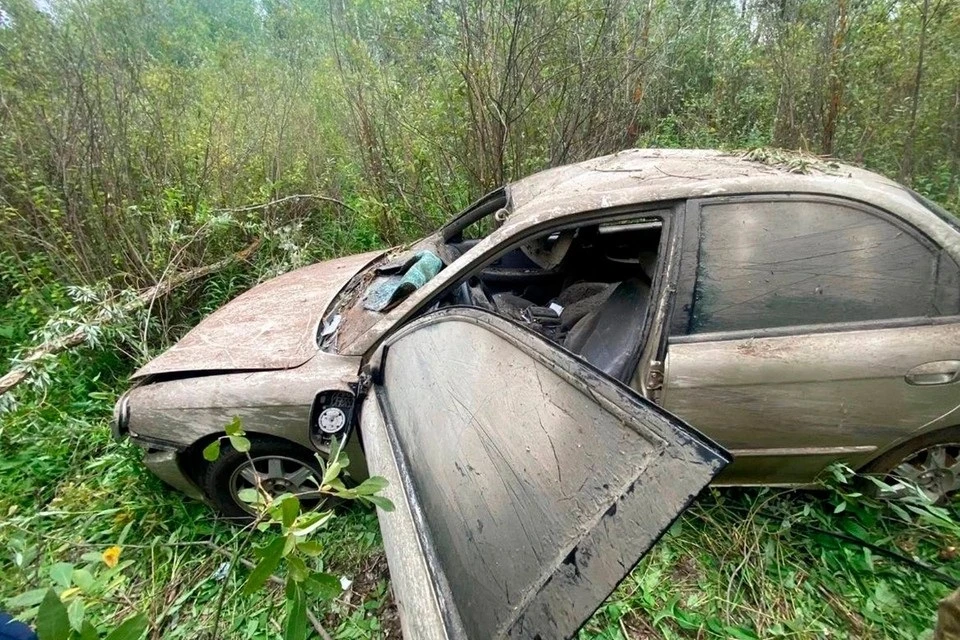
x=222, y=479
x=914, y=450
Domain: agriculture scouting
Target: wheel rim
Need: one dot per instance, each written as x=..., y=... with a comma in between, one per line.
x=276, y=475
x=935, y=470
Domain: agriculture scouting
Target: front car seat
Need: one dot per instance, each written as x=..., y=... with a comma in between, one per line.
x=608, y=337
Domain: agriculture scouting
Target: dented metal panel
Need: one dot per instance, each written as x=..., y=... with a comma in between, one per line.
x=278, y=403
x=271, y=326
x=532, y=482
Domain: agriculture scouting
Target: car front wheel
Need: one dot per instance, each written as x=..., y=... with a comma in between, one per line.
x=275, y=466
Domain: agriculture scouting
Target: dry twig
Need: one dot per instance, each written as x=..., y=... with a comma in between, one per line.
x=80, y=335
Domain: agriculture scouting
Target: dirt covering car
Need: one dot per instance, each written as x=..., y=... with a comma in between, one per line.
x=534, y=377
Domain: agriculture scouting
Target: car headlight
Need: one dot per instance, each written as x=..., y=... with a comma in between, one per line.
x=120, y=423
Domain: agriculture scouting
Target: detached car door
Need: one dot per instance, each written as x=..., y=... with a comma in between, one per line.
x=526, y=483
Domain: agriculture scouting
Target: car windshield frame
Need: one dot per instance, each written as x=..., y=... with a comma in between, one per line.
x=438, y=242
x=487, y=205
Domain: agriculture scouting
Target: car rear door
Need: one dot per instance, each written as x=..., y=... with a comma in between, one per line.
x=809, y=330
x=527, y=484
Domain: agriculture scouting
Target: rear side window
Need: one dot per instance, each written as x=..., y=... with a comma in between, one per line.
x=778, y=264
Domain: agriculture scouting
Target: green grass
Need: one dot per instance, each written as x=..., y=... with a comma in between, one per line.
x=68, y=492
x=740, y=563
x=759, y=564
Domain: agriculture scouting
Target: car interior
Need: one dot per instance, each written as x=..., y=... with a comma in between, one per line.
x=586, y=289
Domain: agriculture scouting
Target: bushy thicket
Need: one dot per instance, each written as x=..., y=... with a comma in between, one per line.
x=138, y=137
x=130, y=130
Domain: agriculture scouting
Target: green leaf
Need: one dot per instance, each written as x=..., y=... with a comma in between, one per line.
x=325, y=586
x=295, y=626
x=212, y=451
x=60, y=574
x=333, y=471
x=310, y=522
x=88, y=632
x=234, y=427
x=371, y=485
x=132, y=628
x=265, y=568
x=83, y=579
x=336, y=446
x=336, y=462
x=75, y=611
x=289, y=544
x=250, y=496
x=310, y=548
x=337, y=485
x=840, y=508
x=298, y=569
x=240, y=443
x=380, y=501
x=26, y=599
x=289, y=510
x=885, y=597
x=53, y=623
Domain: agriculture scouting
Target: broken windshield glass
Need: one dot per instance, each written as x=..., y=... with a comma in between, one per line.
x=399, y=278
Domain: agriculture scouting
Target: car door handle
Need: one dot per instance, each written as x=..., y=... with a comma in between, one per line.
x=940, y=372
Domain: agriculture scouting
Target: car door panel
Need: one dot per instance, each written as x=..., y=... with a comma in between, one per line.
x=787, y=406
x=527, y=484
x=414, y=593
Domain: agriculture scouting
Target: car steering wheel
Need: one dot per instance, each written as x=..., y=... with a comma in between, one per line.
x=476, y=295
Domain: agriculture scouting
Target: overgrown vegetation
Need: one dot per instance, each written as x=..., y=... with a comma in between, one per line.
x=140, y=139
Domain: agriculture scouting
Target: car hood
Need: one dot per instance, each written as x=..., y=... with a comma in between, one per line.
x=271, y=326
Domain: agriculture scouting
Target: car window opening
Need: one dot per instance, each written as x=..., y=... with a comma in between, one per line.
x=587, y=289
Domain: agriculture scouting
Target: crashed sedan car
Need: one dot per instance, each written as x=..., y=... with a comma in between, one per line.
x=798, y=319
x=532, y=377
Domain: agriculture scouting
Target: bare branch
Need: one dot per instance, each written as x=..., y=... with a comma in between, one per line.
x=79, y=336
x=299, y=196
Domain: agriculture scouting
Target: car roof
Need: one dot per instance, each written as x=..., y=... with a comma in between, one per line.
x=650, y=175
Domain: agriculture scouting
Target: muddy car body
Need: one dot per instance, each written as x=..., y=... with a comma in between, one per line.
x=797, y=318
x=798, y=313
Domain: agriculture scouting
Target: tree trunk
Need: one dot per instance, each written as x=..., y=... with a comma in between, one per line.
x=906, y=165
x=835, y=91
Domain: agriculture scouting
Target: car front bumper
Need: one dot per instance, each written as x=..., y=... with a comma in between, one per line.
x=163, y=462
x=166, y=466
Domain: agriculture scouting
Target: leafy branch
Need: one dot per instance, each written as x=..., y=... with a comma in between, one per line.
x=293, y=548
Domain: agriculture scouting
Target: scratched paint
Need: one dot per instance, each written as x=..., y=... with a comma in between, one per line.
x=540, y=482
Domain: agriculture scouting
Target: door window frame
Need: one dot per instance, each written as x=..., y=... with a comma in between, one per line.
x=690, y=262
x=669, y=212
